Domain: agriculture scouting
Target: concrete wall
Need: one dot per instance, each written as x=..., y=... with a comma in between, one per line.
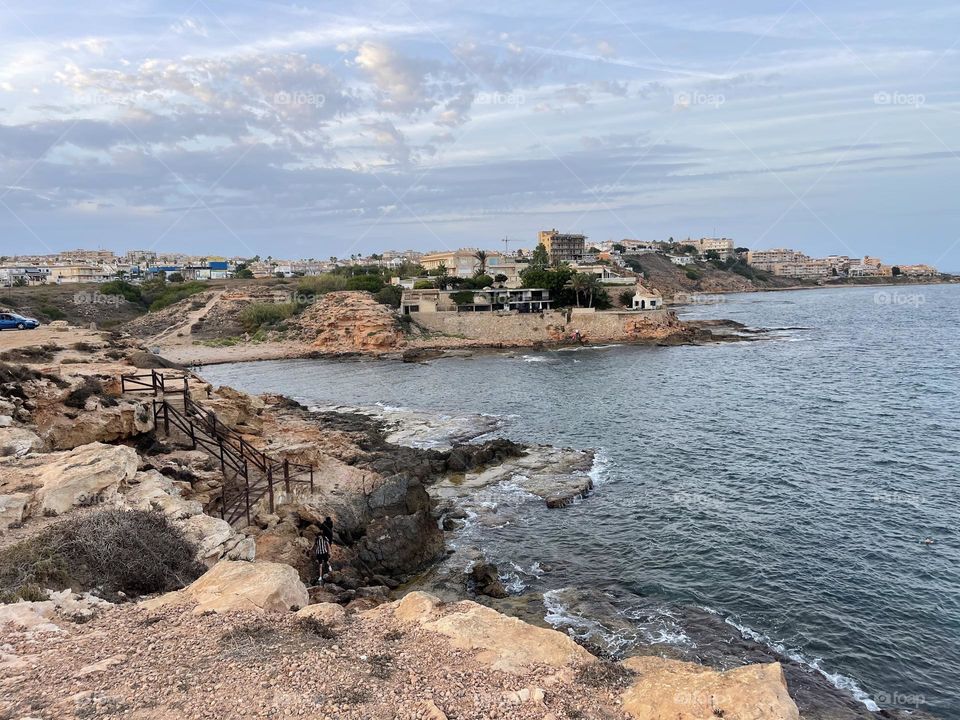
x=552, y=326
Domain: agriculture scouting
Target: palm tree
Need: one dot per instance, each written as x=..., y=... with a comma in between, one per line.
x=593, y=285
x=580, y=282
x=481, y=257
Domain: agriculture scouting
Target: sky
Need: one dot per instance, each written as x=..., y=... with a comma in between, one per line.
x=332, y=129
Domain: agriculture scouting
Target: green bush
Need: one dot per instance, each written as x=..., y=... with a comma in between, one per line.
x=255, y=316
x=130, y=293
x=321, y=284
x=52, y=313
x=390, y=295
x=423, y=285
x=157, y=294
x=133, y=552
x=626, y=298
x=370, y=283
x=693, y=273
x=481, y=281
x=462, y=297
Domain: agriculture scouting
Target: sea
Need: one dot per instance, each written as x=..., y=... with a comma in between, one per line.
x=799, y=490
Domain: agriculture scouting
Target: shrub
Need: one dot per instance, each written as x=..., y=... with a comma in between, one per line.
x=52, y=313
x=481, y=281
x=321, y=284
x=462, y=297
x=693, y=273
x=423, y=285
x=175, y=277
x=32, y=354
x=90, y=387
x=130, y=293
x=626, y=298
x=500, y=278
x=133, y=552
x=390, y=295
x=370, y=283
x=254, y=316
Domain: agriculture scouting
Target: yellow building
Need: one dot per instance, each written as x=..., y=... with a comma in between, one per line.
x=563, y=247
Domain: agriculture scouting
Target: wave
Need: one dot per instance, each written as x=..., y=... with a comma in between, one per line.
x=533, y=358
x=838, y=680
x=598, y=472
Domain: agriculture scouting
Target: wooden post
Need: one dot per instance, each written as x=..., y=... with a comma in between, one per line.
x=166, y=417
x=223, y=467
x=311, y=479
x=153, y=381
x=286, y=477
x=270, y=487
x=193, y=434
x=247, y=491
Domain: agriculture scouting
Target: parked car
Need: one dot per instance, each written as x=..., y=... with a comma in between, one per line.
x=9, y=321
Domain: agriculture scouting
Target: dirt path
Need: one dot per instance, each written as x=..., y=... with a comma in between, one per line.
x=169, y=336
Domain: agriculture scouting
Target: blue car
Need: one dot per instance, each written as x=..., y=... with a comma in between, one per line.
x=9, y=321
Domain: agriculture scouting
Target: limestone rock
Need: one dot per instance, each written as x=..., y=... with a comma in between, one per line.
x=685, y=691
x=348, y=322
x=231, y=585
x=102, y=424
x=213, y=537
x=29, y=616
x=17, y=442
x=327, y=613
x=83, y=476
x=13, y=508
x=504, y=643
x=151, y=490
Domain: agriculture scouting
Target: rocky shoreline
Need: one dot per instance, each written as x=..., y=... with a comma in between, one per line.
x=246, y=637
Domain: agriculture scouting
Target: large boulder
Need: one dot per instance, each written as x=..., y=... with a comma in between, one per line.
x=502, y=642
x=86, y=475
x=676, y=690
x=216, y=539
x=102, y=424
x=13, y=509
x=17, y=442
x=232, y=585
x=152, y=491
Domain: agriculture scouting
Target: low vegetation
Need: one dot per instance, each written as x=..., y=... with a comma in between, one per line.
x=260, y=315
x=91, y=387
x=110, y=551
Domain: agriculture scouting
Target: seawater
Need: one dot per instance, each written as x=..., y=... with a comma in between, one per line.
x=784, y=486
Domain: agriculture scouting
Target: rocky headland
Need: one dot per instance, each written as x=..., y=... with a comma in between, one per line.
x=216, y=327
x=125, y=594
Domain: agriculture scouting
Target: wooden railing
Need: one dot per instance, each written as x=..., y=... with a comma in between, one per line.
x=249, y=475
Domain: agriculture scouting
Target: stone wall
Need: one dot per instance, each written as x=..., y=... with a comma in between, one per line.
x=552, y=326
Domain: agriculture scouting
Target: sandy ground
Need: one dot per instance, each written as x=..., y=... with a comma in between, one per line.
x=64, y=337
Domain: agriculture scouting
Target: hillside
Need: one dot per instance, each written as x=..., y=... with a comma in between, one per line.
x=673, y=281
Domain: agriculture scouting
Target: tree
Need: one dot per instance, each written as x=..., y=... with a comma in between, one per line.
x=481, y=281
x=462, y=297
x=175, y=277
x=370, y=283
x=481, y=257
x=540, y=259
x=580, y=283
x=500, y=278
x=626, y=298
x=390, y=295
x=20, y=282
x=244, y=274
x=619, y=248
